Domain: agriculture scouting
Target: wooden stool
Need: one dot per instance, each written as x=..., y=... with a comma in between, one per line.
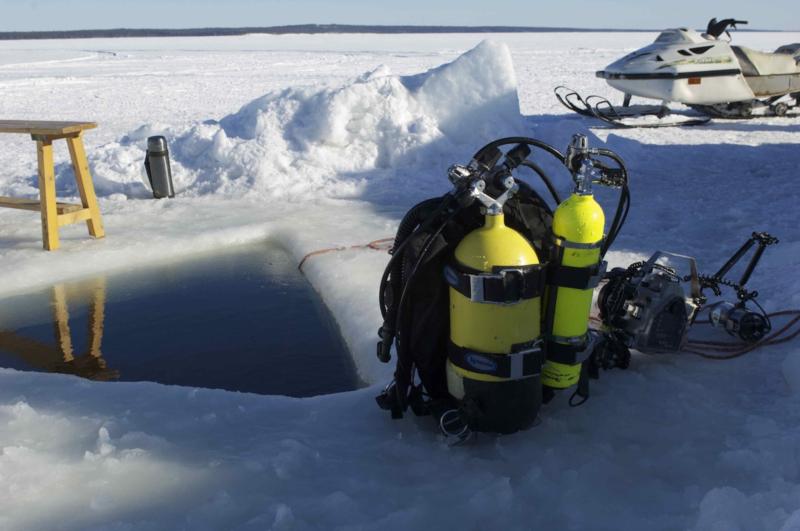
x=55, y=214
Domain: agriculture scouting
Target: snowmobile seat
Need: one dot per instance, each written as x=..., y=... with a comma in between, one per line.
x=791, y=49
x=758, y=63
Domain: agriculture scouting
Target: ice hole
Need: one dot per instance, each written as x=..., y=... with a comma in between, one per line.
x=243, y=320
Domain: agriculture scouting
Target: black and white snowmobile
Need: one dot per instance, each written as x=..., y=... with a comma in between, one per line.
x=704, y=71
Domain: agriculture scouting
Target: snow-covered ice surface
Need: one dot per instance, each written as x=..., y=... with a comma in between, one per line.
x=320, y=141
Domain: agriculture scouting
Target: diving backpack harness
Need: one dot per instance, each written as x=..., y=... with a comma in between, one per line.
x=486, y=297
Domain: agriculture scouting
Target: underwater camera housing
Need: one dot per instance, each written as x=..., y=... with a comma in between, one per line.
x=646, y=307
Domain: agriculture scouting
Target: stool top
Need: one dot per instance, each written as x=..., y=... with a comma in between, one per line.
x=38, y=127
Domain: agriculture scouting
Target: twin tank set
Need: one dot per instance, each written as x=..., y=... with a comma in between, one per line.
x=542, y=336
x=518, y=321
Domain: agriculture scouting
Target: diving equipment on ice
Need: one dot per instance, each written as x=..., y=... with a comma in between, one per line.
x=478, y=282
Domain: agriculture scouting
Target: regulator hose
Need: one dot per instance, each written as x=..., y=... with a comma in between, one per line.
x=624, y=203
x=520, y=140
x=421, y=258
x=545, y=179
x=420, y=218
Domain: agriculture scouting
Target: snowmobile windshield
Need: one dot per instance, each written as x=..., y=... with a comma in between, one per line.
x=669, y=36
x=679, y=35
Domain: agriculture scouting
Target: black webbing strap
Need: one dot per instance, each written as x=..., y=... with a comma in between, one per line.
x=581, y=394
x=504, y=285
x=559, y=275
x=524, y=363
x=576, y=277
x=563, y=353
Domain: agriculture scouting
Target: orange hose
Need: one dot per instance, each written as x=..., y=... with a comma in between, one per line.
x=375, y=245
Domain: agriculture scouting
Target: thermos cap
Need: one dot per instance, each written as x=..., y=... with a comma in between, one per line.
x=156, y=143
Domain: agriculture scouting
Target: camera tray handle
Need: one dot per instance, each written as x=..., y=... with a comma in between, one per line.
x=694, y=280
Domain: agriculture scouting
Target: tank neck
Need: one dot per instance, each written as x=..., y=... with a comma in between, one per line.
x=576, y=197
x=491, y=221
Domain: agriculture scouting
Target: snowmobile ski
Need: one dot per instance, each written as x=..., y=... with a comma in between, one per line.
x=595, y=106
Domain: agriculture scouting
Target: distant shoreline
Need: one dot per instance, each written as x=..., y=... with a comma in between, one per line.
x=300, y=28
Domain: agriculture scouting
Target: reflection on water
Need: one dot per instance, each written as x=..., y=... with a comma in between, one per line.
x=60, y=356
x=245, y=321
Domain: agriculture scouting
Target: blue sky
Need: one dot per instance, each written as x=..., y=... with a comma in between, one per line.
x=19, y=15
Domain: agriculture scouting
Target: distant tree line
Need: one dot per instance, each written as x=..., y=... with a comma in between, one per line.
x=281, y=30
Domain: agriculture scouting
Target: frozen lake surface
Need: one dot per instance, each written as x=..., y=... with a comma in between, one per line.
x=325, y=141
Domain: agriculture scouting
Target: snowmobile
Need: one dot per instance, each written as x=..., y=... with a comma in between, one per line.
x=704, y=71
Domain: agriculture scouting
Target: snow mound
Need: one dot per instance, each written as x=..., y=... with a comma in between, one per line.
x=339, y=142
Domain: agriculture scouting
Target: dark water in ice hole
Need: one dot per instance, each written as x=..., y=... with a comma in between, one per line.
x=242, y=320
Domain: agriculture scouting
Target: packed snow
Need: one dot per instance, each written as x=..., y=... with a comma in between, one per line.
x=321, y=141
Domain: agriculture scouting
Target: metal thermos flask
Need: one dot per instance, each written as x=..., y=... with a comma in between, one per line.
x=156, y=163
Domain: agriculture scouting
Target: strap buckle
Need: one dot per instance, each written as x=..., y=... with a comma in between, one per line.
x=517, y=360
x=516, y=365
x=476, y=287
x=504, y=285
x=512, y=281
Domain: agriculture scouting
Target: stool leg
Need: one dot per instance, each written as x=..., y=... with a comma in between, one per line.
x=85, y=186
x=47, y=194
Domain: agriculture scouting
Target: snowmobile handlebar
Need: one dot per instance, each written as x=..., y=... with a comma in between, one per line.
x=715, y=28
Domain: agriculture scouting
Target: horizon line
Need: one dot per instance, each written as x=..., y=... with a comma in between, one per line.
x=310, y=29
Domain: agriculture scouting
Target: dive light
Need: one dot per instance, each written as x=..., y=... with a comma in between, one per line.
x=738, y=321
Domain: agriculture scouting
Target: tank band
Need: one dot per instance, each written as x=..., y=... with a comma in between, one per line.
x=576, y=277
x=568, y=350
x=561, y=242
x=504, y=285
x=524, y=363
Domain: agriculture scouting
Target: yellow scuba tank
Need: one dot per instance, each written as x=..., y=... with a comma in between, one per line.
x=578, y=225
x=495, y=355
